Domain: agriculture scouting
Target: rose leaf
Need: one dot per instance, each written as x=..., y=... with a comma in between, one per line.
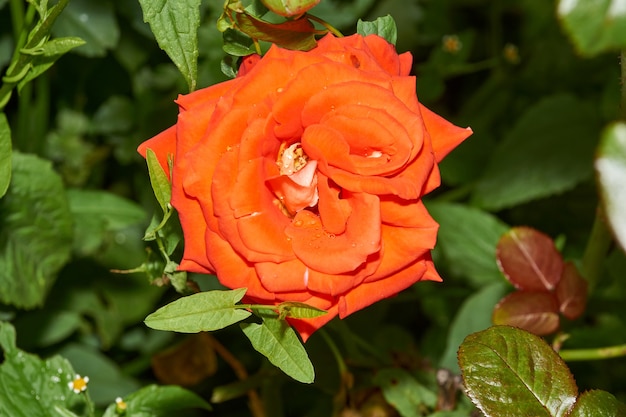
x=31, y=386
x=594, y=26
x=384, y=26
x=49, y=53
x=404, y=392
x=175, y=26
x=277, y=341
x=35, y=231
x=597, y=403
x=158, y=178
x=155, y=400
x=529, y=259
x=547, y=152
x=510, y=372
x=611, y=169
x=535, y=312
x=571, y=292
x=201, y=312
x=5, y=154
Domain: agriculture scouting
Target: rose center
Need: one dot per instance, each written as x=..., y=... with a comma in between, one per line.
x=296, y=187
x=291, y=159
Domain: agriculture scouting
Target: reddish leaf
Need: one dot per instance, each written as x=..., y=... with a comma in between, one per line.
x=296, y=34
x=571, y=292
x=535, y=312
x=529, y=259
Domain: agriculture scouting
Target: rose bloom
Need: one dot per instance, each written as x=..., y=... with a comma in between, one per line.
x=302, y=179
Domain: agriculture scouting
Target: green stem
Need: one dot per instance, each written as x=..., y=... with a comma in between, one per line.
x=17, y=17
x=598, y=245
x=341, y=364
x=327, y=25
x=571, y=355
x=623, y=84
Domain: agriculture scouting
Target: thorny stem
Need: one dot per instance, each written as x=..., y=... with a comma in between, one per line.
x=256, y=405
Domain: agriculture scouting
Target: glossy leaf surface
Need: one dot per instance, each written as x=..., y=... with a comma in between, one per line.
x=510, y=372
x=598, y=403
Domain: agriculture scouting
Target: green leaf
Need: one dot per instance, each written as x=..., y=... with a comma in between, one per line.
x=175, y=26
x=35, y=232
x=598, y=403
x=508, y=371
x=43, y=328
x=594, y=26
x=5, y=154
x=611, y=169
x=92, y=21
x=201, y=312
x=468, y=238
x=160, y=183
x=117, y=212
x=277, y=341
x=237, y=44
x=405, y=393
x=548, y=151
x=473, y=316
x=98, y=213
x=31, y=387
x=159, y=401
x=47, y=55
x=384, y=26
x=298, y=310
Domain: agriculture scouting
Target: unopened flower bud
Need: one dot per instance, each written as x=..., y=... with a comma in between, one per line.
x=290, y=8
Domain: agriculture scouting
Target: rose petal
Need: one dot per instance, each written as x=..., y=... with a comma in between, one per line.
x=162, y=145
x=368, y=293
x=334, y=212
x=336, y=254
x=444, y=135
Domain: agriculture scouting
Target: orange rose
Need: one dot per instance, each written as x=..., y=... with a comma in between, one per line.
x=302, y=178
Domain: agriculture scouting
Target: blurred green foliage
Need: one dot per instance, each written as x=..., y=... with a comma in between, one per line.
x=80, y=200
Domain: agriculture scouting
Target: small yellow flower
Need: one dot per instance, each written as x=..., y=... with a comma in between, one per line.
x=120, y=405
x=79, y=384
x=451, y=44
